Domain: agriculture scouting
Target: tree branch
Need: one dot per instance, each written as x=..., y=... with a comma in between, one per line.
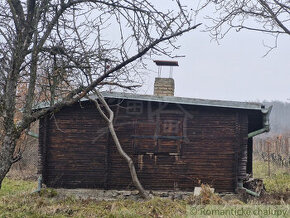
x=274, y=17
x=109, y=119
x=83, y=91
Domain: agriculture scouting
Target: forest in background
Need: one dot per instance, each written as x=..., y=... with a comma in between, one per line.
x=279, y=118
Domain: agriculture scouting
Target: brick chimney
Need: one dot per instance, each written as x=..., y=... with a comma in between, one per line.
x=164, y=86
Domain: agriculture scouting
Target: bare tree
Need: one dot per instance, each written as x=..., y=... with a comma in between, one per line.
x=109, y=119
x=272, y=17
x=59, y=49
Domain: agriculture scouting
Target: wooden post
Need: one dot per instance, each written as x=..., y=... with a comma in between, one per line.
x=250, y=156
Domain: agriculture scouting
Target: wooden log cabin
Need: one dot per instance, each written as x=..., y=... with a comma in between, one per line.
x=175, y=143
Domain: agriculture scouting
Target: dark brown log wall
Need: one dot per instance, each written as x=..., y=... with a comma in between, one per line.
x=174, y=147
x=75, y=148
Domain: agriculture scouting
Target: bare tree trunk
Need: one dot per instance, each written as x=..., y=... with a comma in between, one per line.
x=32, y=32
x=134, y=176
x=109, y=120
x=9, y=141
x=6, y=155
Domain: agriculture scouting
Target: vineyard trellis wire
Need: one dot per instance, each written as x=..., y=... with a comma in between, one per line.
x=277, y=148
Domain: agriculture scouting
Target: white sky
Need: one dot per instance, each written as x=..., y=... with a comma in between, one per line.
x=233, y=70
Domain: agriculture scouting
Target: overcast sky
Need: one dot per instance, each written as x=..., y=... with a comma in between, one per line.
x=233, y=70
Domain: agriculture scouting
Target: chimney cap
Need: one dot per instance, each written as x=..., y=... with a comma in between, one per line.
x=166, y=63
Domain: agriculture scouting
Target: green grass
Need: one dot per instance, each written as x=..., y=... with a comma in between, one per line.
x=16, y=200
x=11, y=187
x=279, y=179
x=48, y=205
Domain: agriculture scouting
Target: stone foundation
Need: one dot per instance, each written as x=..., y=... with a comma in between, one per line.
x=110, y=195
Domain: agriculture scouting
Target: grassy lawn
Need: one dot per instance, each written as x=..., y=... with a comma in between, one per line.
x=12, y=187
x=279, y=179
x=17, y=200
x=49, y=204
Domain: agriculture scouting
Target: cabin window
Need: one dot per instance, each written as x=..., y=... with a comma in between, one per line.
x=144, y=137
x=170, y=136
x=170, y=127
x=158, y=136
x=134, y=107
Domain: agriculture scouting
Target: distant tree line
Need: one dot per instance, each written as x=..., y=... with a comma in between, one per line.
x=280, y=117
